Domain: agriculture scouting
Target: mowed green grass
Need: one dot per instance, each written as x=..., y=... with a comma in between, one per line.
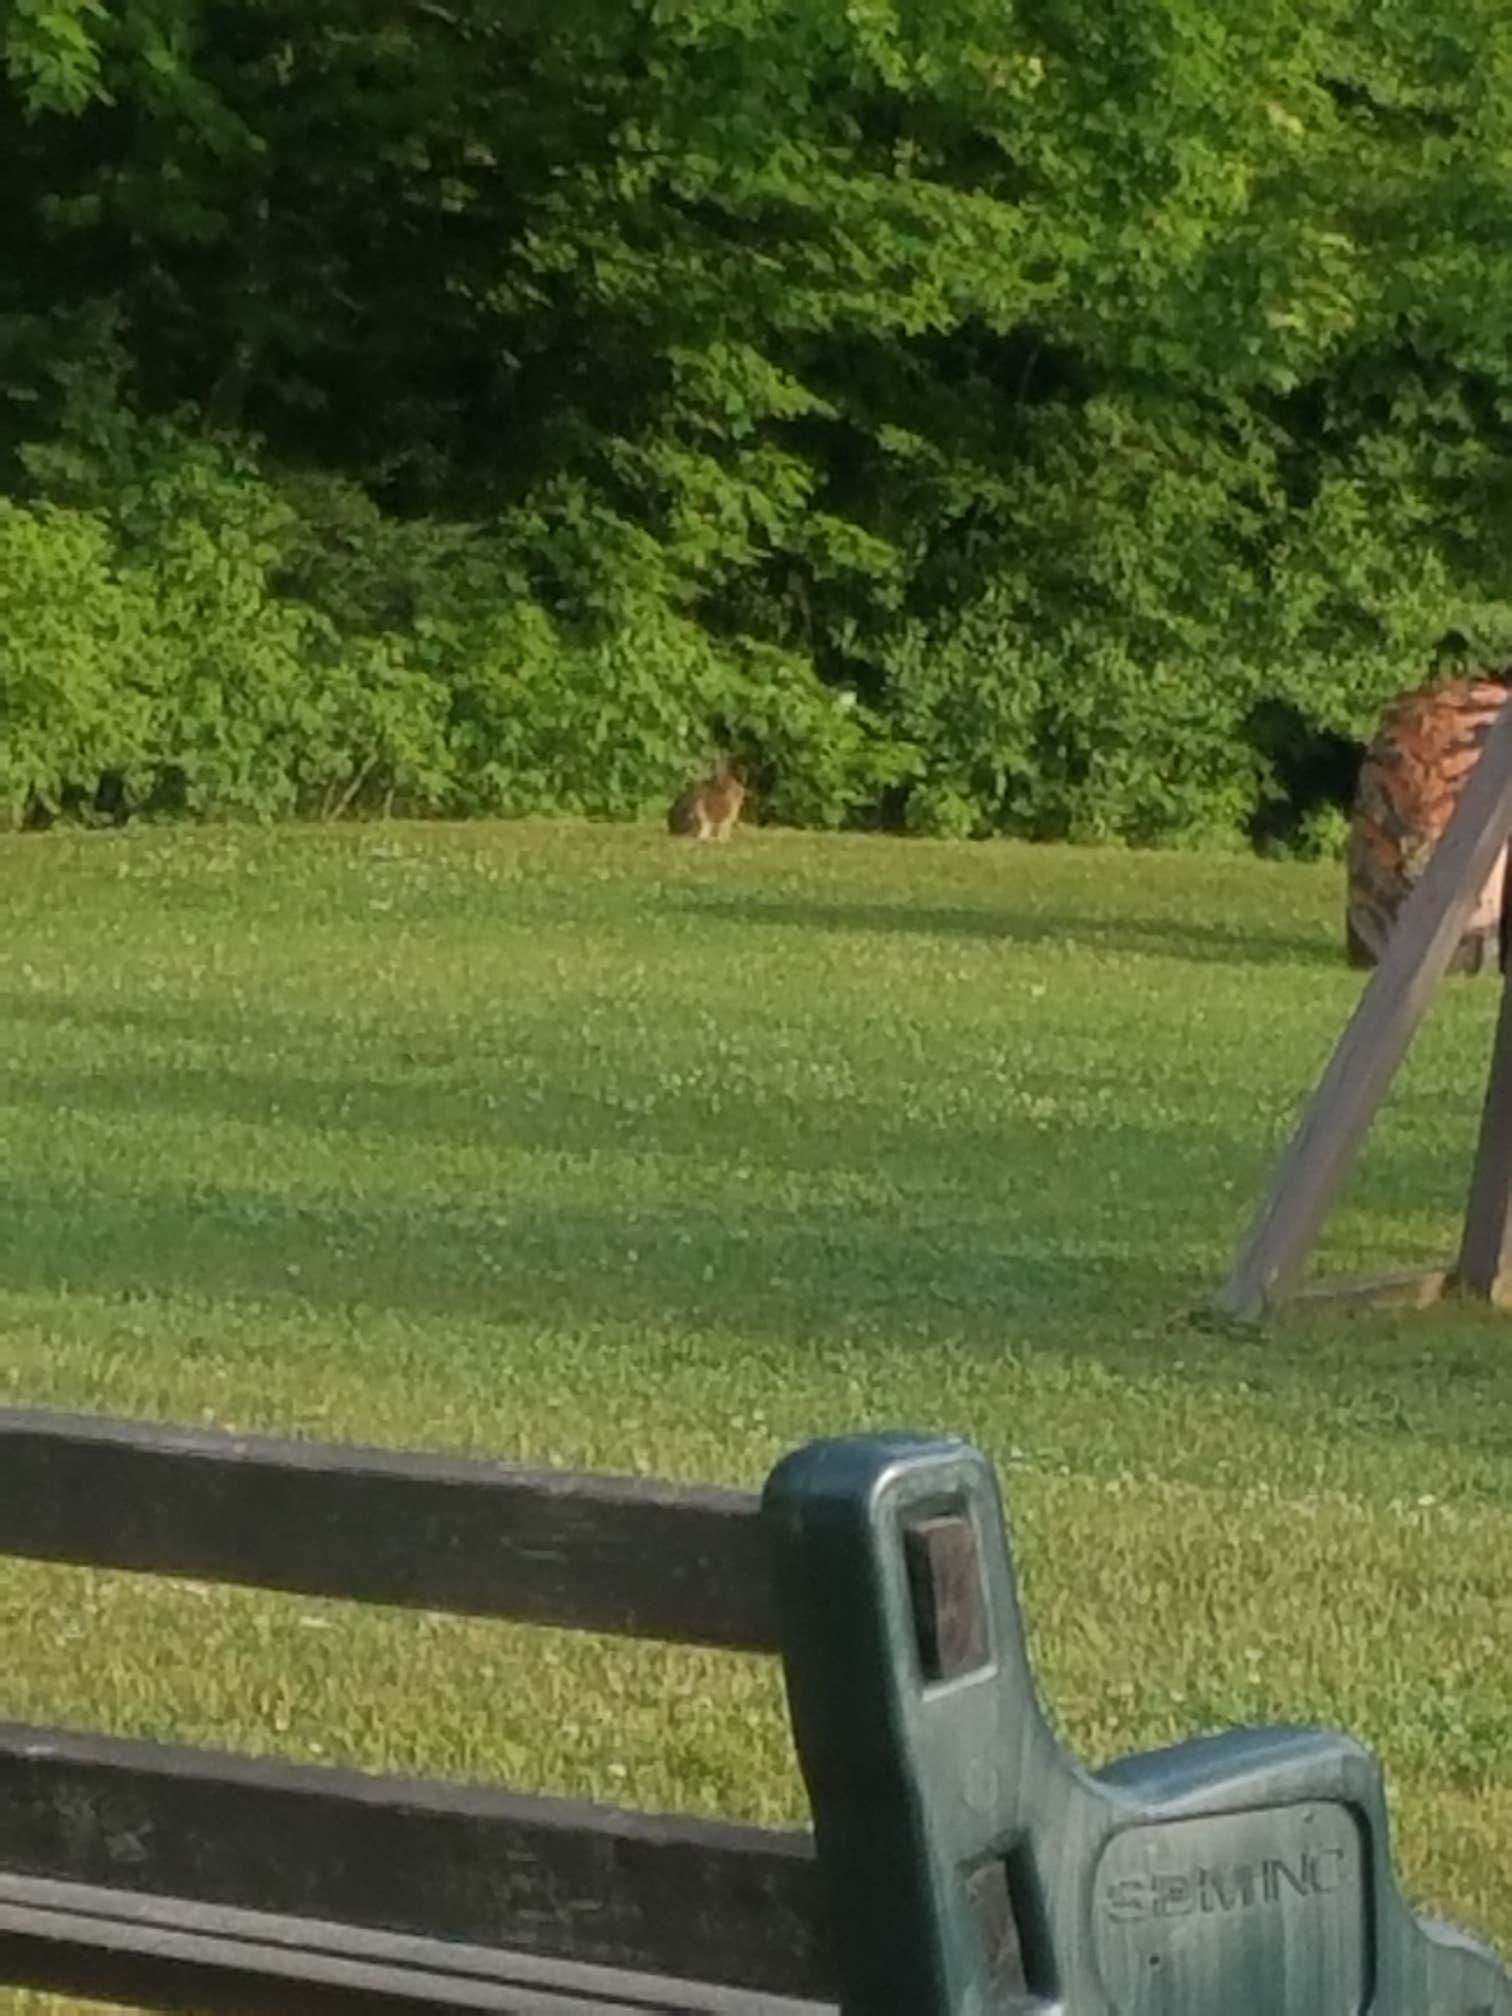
x=580, y=1146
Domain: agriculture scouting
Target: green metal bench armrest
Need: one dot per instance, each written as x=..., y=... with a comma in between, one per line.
x=977, y=1870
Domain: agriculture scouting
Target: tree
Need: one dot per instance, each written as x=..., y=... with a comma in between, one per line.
x=1154, y=356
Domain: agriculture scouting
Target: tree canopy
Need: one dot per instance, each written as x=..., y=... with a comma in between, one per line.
x=488, y=406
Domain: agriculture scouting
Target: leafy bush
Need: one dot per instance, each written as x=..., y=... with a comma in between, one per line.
x=79, y=663
x=223, y=642
x=150, y=642
x=492, y=409
x=229, y=645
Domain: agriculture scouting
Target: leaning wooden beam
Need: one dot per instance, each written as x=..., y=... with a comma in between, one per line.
x=456, y=1534
x=707, y=1899
x=1417, y=955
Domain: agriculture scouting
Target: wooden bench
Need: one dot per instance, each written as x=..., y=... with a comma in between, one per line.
x=965, y=1865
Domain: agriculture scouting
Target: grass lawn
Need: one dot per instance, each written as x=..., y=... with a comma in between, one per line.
x=580, y=1146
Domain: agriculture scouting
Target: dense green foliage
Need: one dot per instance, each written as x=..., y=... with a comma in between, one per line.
x=488, y=407
x=565, y=1144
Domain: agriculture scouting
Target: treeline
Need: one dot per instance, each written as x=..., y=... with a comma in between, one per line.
x=1055, y=418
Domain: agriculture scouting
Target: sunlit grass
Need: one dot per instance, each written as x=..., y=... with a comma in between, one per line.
x=585, y=1147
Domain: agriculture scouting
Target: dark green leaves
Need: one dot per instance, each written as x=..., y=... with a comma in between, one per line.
x=1064, y=379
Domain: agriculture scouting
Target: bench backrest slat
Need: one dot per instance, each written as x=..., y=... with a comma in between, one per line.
x=247, y=1962
x=664, y=1896
x=444, y=1533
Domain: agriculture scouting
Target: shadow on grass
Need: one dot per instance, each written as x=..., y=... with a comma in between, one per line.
x=565, y=1268
x=797, y=1289
x=1208, y=943
x=802, y=1233
x=696, y=1207
x=1052, y=1129
x=863, y=1220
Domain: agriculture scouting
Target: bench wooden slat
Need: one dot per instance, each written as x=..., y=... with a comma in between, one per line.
x=165, y=1952
x=456, y=1534
x=670, y=1896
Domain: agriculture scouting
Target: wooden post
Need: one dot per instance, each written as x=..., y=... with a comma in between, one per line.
x=1487, y=1243
x=1417, y=955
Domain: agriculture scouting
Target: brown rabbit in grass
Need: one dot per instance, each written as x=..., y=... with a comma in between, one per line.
x=708, y=810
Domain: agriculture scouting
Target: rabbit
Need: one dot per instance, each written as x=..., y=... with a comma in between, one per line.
x=708, y=810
